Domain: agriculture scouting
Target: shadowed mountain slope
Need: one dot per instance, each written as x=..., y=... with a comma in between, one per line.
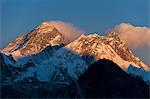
x=105, y=79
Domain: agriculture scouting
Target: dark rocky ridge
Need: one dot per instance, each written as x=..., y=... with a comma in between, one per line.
x=104, y=79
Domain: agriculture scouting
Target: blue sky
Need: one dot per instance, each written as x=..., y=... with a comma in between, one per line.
x=21, y=16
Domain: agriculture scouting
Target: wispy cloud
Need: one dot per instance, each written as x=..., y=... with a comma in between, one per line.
x=67, y=29
x=135, y=36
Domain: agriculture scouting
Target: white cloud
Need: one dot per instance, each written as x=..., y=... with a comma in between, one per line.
x=135, y=36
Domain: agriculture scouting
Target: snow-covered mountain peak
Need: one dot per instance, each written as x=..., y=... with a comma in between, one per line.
x=45, y=27
x=35, y=41
x=100, y=46
x=113, y=35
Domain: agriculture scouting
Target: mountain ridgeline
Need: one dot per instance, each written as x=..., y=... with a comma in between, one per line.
x=44, y=62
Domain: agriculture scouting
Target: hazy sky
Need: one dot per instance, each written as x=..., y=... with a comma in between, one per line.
x=21, y=16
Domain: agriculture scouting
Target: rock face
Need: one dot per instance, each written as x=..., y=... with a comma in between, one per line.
x=104, y=79
x=122, y=50
x=35, y=41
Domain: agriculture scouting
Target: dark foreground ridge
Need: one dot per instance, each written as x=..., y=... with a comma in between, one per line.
x=105, y=79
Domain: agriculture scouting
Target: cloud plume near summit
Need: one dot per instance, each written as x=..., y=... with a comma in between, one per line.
x=67, y=29
x=136, y=37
